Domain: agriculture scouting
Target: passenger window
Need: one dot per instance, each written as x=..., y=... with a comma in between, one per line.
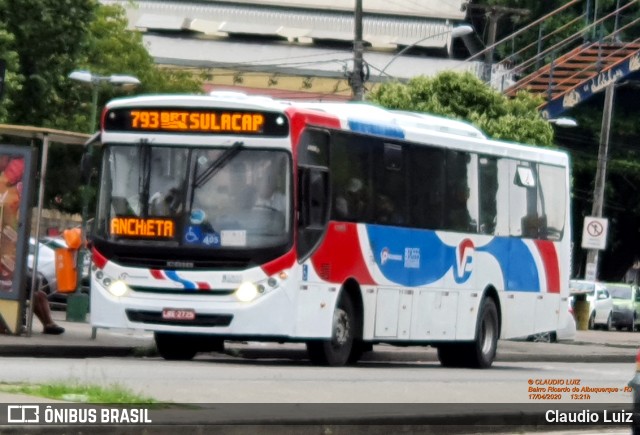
x=488, y=194
x=461, y=192
x=552, y=201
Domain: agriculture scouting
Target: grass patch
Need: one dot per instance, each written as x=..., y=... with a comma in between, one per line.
x=75, y=392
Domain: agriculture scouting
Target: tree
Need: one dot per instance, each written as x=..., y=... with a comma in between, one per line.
x=13, y=79
x=464, y=96
x=42, y=42
x=48, y=37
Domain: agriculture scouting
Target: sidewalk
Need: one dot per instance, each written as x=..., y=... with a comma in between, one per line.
x=76, y=342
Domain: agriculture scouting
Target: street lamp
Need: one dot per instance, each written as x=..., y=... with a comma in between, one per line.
x=95, y=81
x=456, y=32
x=76, y=308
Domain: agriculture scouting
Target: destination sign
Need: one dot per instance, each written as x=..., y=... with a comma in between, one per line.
x=199, y=121
x=140, y=227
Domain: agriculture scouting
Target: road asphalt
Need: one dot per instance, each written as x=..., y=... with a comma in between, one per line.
x=77, y=342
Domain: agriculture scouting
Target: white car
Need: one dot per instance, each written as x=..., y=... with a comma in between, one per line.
x=600, y=302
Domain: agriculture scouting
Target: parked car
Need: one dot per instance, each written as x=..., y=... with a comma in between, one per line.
x=47, y=265
x=566, y=329
x=626, y=306
x=600, y=302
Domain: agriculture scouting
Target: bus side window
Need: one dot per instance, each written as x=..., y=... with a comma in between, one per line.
x=552, y=200
x=523, y=212
x=488, y=192
x=390, y=185
x=313, y=189
x=461, y=192
x=426, y=186
x=318, y=196
x=351, y=184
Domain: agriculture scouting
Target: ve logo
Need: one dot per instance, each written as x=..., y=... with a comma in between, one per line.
x=464, y=261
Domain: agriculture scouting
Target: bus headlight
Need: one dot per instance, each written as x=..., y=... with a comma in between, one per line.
x=247, y=292
x=118, y=288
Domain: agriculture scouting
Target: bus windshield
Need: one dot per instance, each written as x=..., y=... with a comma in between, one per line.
x=212, y=198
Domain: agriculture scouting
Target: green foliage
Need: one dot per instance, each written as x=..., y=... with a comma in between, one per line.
x=77, y=392
x=464, y=96
x=48, y=37
x=110, y=48
x=43, y=41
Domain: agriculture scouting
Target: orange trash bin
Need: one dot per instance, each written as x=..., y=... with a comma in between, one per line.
x=66, y=272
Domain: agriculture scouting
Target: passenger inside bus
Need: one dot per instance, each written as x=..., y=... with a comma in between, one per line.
x=270, y=197
x=167, y=204
x=458, y=217
x=351, y=204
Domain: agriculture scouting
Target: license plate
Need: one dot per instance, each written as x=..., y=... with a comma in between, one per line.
x=177, y=314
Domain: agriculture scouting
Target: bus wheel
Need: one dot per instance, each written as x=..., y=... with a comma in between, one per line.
x=338, y=350
x=175, y=346
x=479, y=353
x=483, y=349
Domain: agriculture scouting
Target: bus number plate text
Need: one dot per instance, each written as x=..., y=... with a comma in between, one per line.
x=175, y=314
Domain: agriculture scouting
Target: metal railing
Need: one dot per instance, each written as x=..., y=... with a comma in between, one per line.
x=510, y=69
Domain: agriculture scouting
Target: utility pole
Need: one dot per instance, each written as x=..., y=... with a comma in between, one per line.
x=601, y=169
x=494, y=13
x=356, y=78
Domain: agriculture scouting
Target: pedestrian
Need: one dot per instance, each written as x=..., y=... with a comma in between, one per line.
x=43, y=312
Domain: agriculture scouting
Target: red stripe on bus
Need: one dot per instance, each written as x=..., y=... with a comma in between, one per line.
x=157, y=274
x=340, y=255
x=551, y=266
x=280, y=263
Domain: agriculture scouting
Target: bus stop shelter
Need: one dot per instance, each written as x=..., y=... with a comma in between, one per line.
x=9, y=309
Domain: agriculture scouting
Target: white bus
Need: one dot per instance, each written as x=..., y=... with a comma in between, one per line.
x=336, y=225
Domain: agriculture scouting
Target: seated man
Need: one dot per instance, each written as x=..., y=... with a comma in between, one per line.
x=270, y=197
x=43, y=313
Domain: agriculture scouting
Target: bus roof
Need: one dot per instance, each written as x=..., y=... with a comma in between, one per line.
x=365, y=118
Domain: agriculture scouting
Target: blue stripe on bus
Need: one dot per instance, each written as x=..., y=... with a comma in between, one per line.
x=518, y=265
x=387, y=130
x=414, y=257
x=173, y=276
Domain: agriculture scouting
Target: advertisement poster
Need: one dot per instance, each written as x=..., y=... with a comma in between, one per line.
x=17, y=173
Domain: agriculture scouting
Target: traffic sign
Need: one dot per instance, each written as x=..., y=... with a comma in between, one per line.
x=594, y=232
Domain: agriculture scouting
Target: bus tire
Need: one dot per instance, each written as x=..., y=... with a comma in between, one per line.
x=338, y=350
x=175, y=347
x=482, y=351
x=359, y=348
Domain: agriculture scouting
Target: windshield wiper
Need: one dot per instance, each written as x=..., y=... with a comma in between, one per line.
x=201, y=179
x=144, y=177
x=216, y=165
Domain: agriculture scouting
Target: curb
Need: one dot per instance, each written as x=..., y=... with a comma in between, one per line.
x=378, y=356
x=40, y=351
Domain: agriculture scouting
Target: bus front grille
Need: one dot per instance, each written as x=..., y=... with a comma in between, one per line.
x=182, y=291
